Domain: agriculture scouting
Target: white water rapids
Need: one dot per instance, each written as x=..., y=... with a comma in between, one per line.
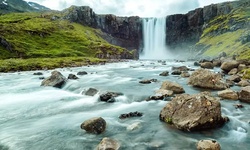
x=47, y=118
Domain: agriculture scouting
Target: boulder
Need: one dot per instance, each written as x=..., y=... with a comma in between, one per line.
x=91, y=92
x=165, y=73
x=176, y=72
x=216, y=62
x=38, y=73
x=131, y=114
x=228, y=94
x=208, y=145
x=207, y=79
x=234, y=78
x=244, y=94
x=197, y=63
x=80, y=73
x=155, y=97
x=229, y=65
x=56, y=80
x=185, y=74
x=109, y=96
x=72, y=77
x=164, y=92
x=172, y=86
x=147, y=81
x=108, y=144
x=233, y=71
x=181, y=68
x=207, y=65
x=243, y=83
x=193, y=112
x=95, y=125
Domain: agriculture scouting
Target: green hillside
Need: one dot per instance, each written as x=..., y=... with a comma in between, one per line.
x=228, y=33
x=44, y=35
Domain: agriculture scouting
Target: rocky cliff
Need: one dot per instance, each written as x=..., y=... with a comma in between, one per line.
x=121, y=31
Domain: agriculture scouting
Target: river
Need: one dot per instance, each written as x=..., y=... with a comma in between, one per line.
x=47, y=118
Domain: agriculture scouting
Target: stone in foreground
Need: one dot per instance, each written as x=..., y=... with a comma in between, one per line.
x=204, y=78
x=108, y=144
x=244, y=94
x=193, y=112
x=228, y=94
x=56, y=80
x=95, y=125
x=208, y=145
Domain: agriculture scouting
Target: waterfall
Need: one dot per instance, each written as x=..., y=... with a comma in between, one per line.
x=154, y=39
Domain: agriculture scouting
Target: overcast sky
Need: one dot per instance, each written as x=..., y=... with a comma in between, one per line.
x=142, y=8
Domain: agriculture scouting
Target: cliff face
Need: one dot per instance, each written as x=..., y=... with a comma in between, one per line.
x=121, y=31
x=184, y=30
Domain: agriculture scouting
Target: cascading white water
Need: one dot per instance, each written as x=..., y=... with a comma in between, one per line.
x=154, y=39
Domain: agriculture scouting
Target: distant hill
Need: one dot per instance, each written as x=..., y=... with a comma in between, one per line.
x=9, y=6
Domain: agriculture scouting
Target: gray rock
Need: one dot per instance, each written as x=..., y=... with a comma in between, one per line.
x=108, y=144
x=165, y=73
x=193, y=112
x=207, y=65
x=38, y=73
x=228, y=94
x=82, y=73
x=197, y=64
x=244, y=94
x=147, y=81
x=208, y=145
x=185, y=74
x=95, y=125
x=176, y=72
x=243, y=83
x=56, y=80
x=206, y=79
x=72, y=77
x=109, y=96
x=234, y=78
x=172, y=86
x=229, y=65
x=91, y=92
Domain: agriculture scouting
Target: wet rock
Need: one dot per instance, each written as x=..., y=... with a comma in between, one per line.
x=55, y=80
x=185, y=74
x=164, y=92
x=155, y=97
x=238, y=106
x=134, y=126
x=207, y=65
x=193, y=112
x=108, y=144
x=91, y=92
x=230, y=83
x=172, y=86
x=208, y=145
x=216, y=62
x=95, y=125
x=72, y=77
x=205, y=60
x=41, y=78
x=243, y=83
x=148, y=81
x=181, y=68
x=38, y=73
x=228, y=94
x=109, y=96
x=229, y=65
x=234, y=78
x=233, y=71
x=165, y=73
x=197, y=64
x=82, y=73
x=176, y=72
x=244, y=94
x=131, y=114
x=206, y=79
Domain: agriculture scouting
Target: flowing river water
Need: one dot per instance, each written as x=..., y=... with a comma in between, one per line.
x=47, y=118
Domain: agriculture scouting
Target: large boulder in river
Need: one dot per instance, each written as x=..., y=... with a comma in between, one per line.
x=208, y=145
x=229, y=65
x=172, y=86
x=95, y=125
x=208, y=65
x=193, y=112
x=244, y=94
x=228, y=94
x=56, y=80
x=207, y=79
x=108, y=144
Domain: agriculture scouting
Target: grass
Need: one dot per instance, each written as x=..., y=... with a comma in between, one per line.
x=8, y=65
x=246, y=73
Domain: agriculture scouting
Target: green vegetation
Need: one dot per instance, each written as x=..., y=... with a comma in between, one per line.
x=246, y=73
x=169, y=120
x=45, y=35
x=226, y=33
x=45, y=63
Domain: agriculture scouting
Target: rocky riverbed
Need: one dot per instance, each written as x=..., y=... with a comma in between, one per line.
x=47, y=117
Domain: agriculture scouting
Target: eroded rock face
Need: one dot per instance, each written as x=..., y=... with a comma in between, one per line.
x=244, y=94
x=193, y=112
x=172, y=86
x=95, y=125
x=228, y=94
x=208, y=145
x=108, y=144
x=56, y=80
x=206, y=79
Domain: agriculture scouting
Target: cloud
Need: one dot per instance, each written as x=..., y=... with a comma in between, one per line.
x=142, y=8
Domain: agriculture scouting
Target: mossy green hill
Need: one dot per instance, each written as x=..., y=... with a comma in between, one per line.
x=228, y=33
x=45, y=35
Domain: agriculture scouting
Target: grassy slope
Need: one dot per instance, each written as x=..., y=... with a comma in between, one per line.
x=227, y=41
x=35, y=35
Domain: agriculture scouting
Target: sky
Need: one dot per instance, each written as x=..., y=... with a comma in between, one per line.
x=142, y=8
